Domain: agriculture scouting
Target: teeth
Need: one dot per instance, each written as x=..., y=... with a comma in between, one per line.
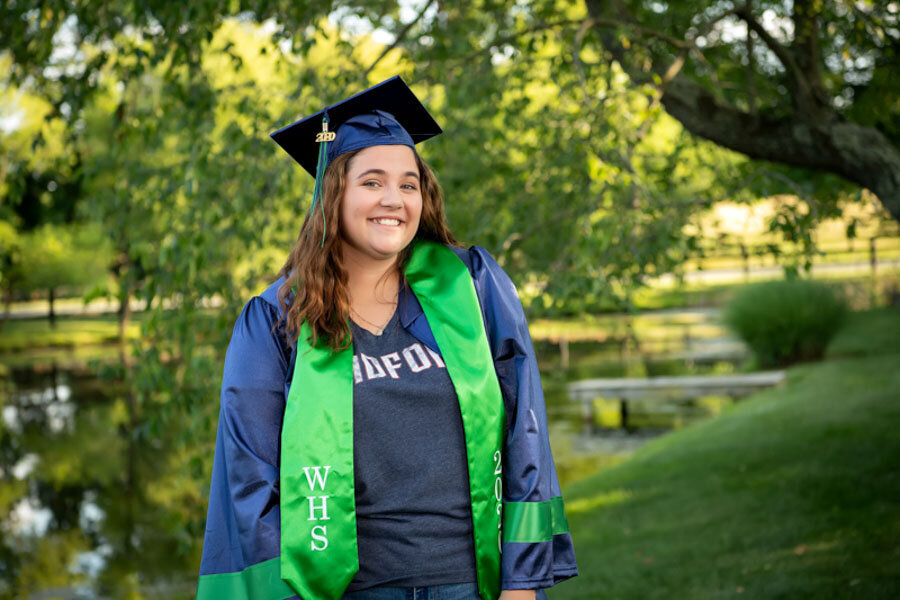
x=387, y=221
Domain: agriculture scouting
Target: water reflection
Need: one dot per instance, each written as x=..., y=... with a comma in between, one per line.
x=665, y=343
x=95, y=506
x=81, y=518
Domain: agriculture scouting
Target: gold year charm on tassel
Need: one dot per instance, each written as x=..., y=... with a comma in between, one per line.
x=325, y=135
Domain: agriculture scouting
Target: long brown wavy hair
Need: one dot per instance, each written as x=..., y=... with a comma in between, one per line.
x=323, y=300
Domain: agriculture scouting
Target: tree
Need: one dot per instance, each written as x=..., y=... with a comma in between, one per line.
x=55, y=256
x=165, y=124
x=808, y=83
x=10, y=271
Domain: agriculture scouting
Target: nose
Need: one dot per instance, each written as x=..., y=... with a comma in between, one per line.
x=391, y=197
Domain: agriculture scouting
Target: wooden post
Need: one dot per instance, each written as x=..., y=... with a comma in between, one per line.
x=746, y=257
x=873, y=255
x=564, y=352
x=52, y=315
x=623, y=413
x=587, y=415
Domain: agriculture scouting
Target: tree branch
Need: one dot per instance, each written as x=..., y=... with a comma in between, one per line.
x=751, y=68
x=806, y=134
x=500, y=41
x=576, y=56
x=806, y=29
x=583, y=26
x=704, y=28
x=811, y=107
x=858, y=153
x=398, y=39
x=784, y=55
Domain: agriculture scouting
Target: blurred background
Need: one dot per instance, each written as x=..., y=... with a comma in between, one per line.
x=698, y=202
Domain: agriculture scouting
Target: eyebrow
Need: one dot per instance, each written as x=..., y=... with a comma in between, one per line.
x=382, y=172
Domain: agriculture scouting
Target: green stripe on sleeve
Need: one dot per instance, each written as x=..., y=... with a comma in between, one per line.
x=261, y=581
x=559, y=523
x=532, y=522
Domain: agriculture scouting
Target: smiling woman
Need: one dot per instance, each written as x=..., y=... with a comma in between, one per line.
x=382, y=203
x=382, y=428
x=379, y=217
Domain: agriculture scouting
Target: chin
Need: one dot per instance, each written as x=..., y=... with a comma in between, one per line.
x=388, y=250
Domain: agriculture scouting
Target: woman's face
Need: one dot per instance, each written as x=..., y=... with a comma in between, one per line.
x=382, y=201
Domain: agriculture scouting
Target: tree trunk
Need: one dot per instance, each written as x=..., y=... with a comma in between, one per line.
x=860, y=154
x=7, y=306
x=131, y=475
x=124, y=314
x=52, y=315
x=804, y=131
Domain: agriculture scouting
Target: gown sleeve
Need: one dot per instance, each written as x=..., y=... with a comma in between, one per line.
x=241, y=548
x=537, y=550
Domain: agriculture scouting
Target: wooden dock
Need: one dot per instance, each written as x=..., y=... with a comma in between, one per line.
x=674, y=387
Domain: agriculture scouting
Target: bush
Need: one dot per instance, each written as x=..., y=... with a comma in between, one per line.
x=786, y=321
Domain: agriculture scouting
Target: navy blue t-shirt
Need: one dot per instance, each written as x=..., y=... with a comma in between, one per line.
x=413, y=513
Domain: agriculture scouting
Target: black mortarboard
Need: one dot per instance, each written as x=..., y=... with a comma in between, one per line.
x=386, y=113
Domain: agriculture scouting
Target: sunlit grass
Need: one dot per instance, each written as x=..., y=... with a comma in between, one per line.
x=70, y=332
x=612, y=327
x=862, y=289
x=791, y=493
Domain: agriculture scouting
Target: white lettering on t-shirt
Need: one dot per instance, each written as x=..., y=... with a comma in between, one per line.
x=357, y=373
x=416, y=363
x=437, y=358
x=392, y=364
x=417, y=358
x=373, y=367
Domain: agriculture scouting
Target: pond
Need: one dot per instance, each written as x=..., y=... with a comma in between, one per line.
x=95, y=506
x=676, y=342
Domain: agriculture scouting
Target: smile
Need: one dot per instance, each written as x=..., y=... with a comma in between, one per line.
x=386, y=221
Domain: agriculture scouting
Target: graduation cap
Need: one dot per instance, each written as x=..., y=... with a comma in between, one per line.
x=385, y=114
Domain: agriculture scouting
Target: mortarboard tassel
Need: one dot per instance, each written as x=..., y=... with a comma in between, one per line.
x=322, y=138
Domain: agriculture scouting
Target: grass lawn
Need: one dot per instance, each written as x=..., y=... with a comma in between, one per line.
x=860, y=290
x=792, y=493
x=70, y=331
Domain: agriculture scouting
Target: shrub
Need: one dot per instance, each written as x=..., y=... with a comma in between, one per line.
x=786, y=321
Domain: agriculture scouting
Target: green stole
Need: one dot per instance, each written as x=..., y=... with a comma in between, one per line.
x=318, y=508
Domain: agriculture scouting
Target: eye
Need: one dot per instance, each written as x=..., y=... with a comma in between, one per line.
x=372, y=183
x=409, y=186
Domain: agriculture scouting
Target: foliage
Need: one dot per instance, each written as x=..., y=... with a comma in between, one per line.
x=55, y=256
x=786, y=321
x=71, y=332
x=151, y=122
x=114, y=496
x=790, y=494
x=789, y=82
x=575, y=178
x=174, y=164
x=10, y=249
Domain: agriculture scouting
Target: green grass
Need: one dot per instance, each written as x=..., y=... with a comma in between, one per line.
x=70, y=332
x=860, y=289
x=792, y=493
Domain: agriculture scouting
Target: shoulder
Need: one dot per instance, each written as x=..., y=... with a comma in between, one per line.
x=264, y=307
x=504, y=317
x=255, y=331
x=270, y=295
x=488, y=275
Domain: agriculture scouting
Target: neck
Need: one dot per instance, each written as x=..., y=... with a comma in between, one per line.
x=369, y=279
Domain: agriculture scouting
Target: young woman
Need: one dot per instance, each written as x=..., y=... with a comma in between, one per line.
x=382, y=431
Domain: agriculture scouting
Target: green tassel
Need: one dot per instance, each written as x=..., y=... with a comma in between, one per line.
x=320, y=175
